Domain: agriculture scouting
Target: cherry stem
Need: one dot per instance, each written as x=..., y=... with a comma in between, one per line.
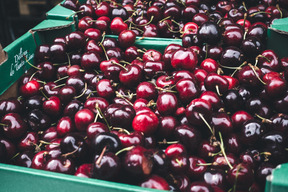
x=240, y=67
x=96, y=117
x=122, y=97
x=167, y=90
x=121, y=130
x=253, y=69
x=136, y=2
x=259, y=12
x=151, y=19
x=281, y=14
x=264, y=120
x=218, y=90
x=72, y=152
x=204, y=164
x=124, y=149
x=60, y=79
x=167, y=142
x=180, y=163
x=223, y=151
x=107, y=58
x=47, y=143
x=119, y=65
x=102, y=116
x=244, y=5
x=38, y=68
x=261, y=56
x=164, y=19
x=57, y=86
x=125, y=62
x=137, y=29
x=15, y=155
x=41, y=90
x=3, y=124
x=74, y=14
x=84, y=91
x=69, y=61
x=31, y=77
x=103, y=37
x=206, y=123
x=101, y=156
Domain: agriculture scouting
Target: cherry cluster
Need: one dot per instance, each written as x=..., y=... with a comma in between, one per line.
x=173, y=19
x=210, y=115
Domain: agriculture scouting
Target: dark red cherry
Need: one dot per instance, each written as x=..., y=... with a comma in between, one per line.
x=189, y=136
x=146, y=90
x=209, y=33
x=251, y=131
x=197, y=110
x=74, y=40
x=72, y=107
x=31, y=88
x=60, y=165
x=196, y=167
x=215, y=177
x=105, y=139
x=216, y=83
x=240, y=177
x=105, y=89
x=187, y=90
x=155, y=182
x=198, y=186
x=84, y=170
x=13, y=125
x=64, y=126
x=184, y=59
x=83, y=118
x=58, y=53
x=221, y=122
x=166, y=127
x=131, y=76
x=146, y=122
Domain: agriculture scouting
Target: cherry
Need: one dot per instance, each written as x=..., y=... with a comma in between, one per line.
x=232, y=37
x=31, y=88
x=74, y=146
x=138, y=161
x=105, y=139
x=28, y=142
x=215, y=82
x=189, y=136
x=106, y=167
x=60, y=165
x=238, y=176
x=72, y=107
x=39, y=160
x=126, y=38
x=117, y=25
x=209, y=33
x=146, y=90
x=215, y=177
x=155, y=182
x=83, y=118
x=24, y=159
x=131, y=76
x=187, y=90
x=119, y=115
x=49, y=134
x=166, y=127
x=13, y=125
x=251, y=131
x=52, y=106
x=64, y=126
x=85, y=23
x=42, y=53
x=58, y=53
x=10, y=148
x=84, y=170
x=196, y=167
x=184, y=59
x=221, y=122
x=146, y=122
x=105, y=89
x=198, y=186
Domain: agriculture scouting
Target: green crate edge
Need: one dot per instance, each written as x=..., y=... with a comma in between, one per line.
x=15, y=178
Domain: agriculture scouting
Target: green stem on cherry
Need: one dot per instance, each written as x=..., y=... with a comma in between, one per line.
x=84, y=91
x=118, y=64
x=31, y=77
x=239, y=68
x=41, y=90
x=102, y=115
x=124, y=149
x=206, y=123
x=57, y=86
x=74, y=14
x=164, y=19
x=264, y=120
x=104, y=50
x=223, y=151
x=121, y=130
x=165, y=142
x=48, y=143
x=253, y=69
x=38, y=68
x=60, y=79
x=122, y=97
x=4, y=125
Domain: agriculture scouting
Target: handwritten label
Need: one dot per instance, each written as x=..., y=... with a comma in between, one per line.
x=19, y=60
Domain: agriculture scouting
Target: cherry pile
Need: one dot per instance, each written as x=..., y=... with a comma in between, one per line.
x=210, y=115
x=173, y=19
